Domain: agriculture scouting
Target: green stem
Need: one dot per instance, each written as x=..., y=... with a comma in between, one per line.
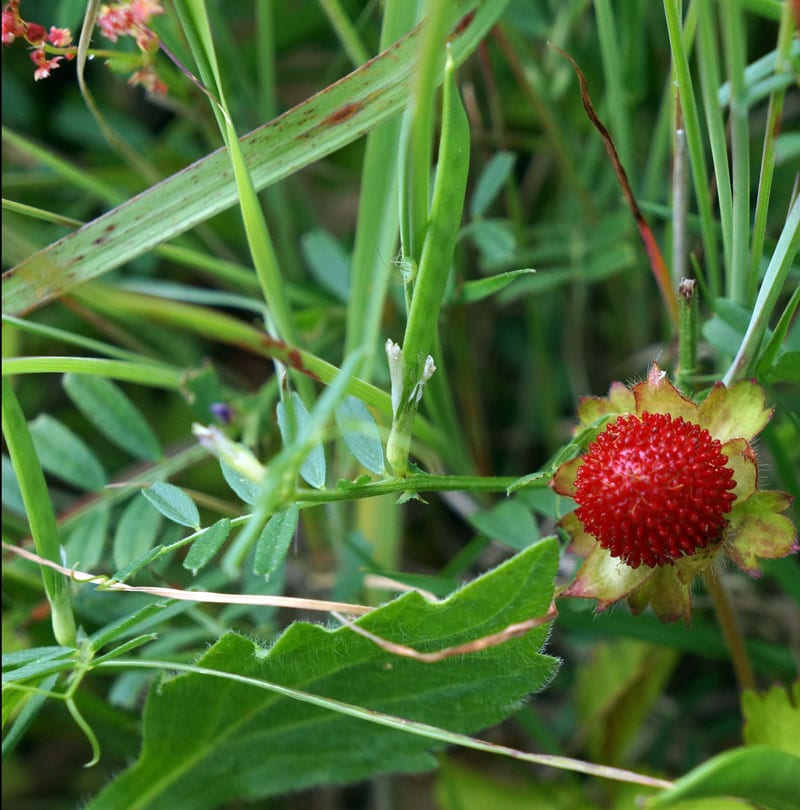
x=688, y=333
x=768, y=155
x=150, y=374
x=777, y=272
x=378, y=217
x=434, y=267
x=730, y=629
x=345, y=31
x=414, y=483
x=679, y=43
x=410, y=726
x=215, y=325
x=39, y=509
x=733, y=40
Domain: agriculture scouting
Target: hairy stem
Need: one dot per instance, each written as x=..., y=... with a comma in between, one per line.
x=730, y=629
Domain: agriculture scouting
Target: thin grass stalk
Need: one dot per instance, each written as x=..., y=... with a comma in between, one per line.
x=734, y=46
x=747, y=358
x=708, y=59
x=680, y=193
x=679, y=45
x=41, y=517
x=198, y=30
x=613, y=74
x=418, y=124
x=150, y=374
x=141, y=167
x=660, y=140
x=345, y=31
x=74, y=176
x=274, y=196
x=378, y=219
x=774, y=111
x=73, y=339
x=413, y=368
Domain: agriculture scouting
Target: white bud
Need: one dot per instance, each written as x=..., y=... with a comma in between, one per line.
x=394, y=355
x=236, y=456
x=427, y=372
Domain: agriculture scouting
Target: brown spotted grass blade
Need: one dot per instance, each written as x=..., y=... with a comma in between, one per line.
x=340, y=114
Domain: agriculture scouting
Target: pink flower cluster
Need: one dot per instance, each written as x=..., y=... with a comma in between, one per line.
x=14, y=27
x=130, y=19
x=115, y=20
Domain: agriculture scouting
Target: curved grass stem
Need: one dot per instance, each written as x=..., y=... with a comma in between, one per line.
x=730, y=629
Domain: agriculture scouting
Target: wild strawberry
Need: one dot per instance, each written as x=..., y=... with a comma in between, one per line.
x=654, y=488
x=664, y=489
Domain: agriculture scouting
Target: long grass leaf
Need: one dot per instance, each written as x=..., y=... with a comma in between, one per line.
x=326, y=122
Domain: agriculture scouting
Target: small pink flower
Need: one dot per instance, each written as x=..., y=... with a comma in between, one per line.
x=146, y=40
x=59, y=37
x=35, y=34
x=143, y=10
x=149, y=80
x=43, y=64
x=113, y=22
x=130, y=19
x=127, y=19
x=12, y=25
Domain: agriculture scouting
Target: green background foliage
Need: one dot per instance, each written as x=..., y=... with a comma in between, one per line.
x=196, y=396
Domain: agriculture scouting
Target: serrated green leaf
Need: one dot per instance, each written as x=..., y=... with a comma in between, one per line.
x=328, y=262
x=173, y=503
x=113, y=414
x=87, y=538
x=767, y=777
x=256, y=743
x=492, y=179
x=438, y=586
x=273, y=543
x=66, y=456
x=773, y=718
x=360, y=433
x=480, y=288
x=509, y=522
x=207, y=545
x=244, y=488
x=293, y=421
x=136, y=531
